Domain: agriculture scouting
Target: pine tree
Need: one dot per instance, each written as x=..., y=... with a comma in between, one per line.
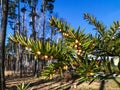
x=107, y=41
x=2, y=42
x=69, y=54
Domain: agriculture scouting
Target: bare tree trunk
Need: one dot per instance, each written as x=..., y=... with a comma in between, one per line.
x=2, y=42
x=17, y=47
x=44, y=27
x=21, y=62
x=20, y=56
x=34, y=36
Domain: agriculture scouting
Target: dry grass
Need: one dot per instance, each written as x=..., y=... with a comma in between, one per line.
x=40, y=84
x=109, y=84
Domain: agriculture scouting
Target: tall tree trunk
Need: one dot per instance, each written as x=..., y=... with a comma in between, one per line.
x=20, y=56
x=44, y=17
x=17, y=30
x=44, y=22
x=44, y=27
x=34, y=35
x=33, y=22
x=21, y=60
x=2, y=42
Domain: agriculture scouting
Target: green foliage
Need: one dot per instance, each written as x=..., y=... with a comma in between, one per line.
x=53, y=69
x=98, y=25
x=53, y=51
x=78, y=41
x=87, y=69
x=72, y=35
x=47, y=5
x=107, y=43
x=23, y=86
x=72, y=53
x=67, y=53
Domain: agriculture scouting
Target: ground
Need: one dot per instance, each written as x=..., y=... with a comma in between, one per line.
x=56, y=84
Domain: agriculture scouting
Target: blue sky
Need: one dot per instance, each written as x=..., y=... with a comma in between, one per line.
x=72, y=11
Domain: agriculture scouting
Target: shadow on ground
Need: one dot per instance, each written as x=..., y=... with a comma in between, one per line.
x=57, y=83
